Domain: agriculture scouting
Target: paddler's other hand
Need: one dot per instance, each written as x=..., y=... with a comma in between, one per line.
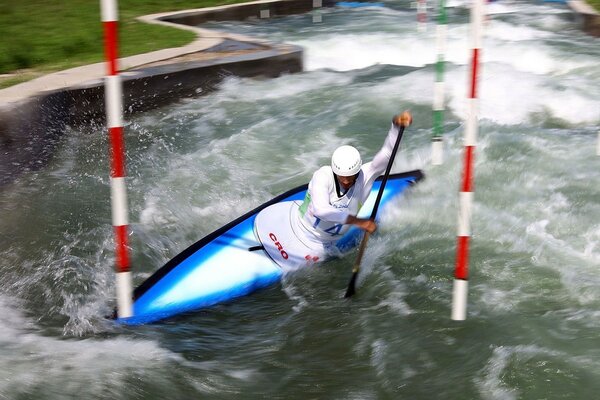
x=364, y=224
x=403, y=119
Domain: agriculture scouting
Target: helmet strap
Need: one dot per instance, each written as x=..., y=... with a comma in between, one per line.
x=338, y=188
x=337, y=185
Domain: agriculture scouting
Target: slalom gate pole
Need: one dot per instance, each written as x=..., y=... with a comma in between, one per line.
x=118, y=191
x=461, y=274
x=598, y=145
x=316, y=12
x=422, y=15
x=437, y=145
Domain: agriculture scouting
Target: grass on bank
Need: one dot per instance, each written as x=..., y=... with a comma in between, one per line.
x=594, y=3
x=42, y=36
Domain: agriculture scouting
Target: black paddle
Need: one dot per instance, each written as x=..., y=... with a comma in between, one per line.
x=363, y=244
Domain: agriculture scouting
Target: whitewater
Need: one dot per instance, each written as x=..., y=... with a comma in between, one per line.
x=534, y=299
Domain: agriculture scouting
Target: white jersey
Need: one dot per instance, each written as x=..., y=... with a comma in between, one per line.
x=326, y=207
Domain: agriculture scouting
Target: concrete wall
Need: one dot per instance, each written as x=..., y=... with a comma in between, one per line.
x=587, y=17
x=249, y=10
x=29, y=133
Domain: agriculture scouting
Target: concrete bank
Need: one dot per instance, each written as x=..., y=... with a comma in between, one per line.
x=587, y=17
x=34, y=114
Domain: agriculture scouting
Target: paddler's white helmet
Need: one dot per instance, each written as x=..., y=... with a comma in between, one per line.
x=346, y=161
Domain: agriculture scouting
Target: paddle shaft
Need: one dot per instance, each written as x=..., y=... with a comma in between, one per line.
x=363, y=244
x=386, y=175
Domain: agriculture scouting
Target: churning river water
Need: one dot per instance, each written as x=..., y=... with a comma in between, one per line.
x=533, y=323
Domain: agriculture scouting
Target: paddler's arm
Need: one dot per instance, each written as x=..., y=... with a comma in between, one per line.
x=377, y=166
x=363, y=223
x=381, y=159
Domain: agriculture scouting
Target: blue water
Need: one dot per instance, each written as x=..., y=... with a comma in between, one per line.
x=533, y=319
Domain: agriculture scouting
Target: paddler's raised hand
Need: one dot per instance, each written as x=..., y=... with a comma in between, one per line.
x=365, y=224
x=403, y=119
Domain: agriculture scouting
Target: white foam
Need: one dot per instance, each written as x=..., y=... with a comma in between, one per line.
x=507, y=32
x=379, y=351
x=344, y=52
x=511, y=97
x=586, y=317
x=498, y=8
x=520, y=74
x=592, y=238
x=534, y=56
x=348, y=52
x=89, y=364
x=551, y=20
x=300, y=300
x=509, y=360
x=286, y=87
x=490, y=383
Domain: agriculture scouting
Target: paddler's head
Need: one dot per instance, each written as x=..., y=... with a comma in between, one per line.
x=346, y=163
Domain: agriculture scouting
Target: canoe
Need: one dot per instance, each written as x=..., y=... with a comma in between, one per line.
x=232, y=262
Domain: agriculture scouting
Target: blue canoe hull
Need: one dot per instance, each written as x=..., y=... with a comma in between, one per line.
x=220, y=267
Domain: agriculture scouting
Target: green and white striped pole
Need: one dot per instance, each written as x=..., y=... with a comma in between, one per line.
x=437, y=144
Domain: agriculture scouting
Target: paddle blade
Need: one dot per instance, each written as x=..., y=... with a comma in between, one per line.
x=351, y=286
x=361, y=250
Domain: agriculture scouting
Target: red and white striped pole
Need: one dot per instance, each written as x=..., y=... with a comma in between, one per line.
x=461, y=272
x=118, y=191
x=422, y=15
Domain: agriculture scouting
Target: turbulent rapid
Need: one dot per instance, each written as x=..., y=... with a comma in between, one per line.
x=534, y=299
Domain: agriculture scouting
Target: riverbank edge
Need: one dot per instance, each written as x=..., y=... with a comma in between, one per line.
x=34, y=115
x=587, y=16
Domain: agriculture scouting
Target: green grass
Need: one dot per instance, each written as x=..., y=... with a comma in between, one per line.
x=594, y=3
x=41, y=36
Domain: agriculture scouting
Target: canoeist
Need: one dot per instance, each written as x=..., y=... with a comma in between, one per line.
x=337, y=191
